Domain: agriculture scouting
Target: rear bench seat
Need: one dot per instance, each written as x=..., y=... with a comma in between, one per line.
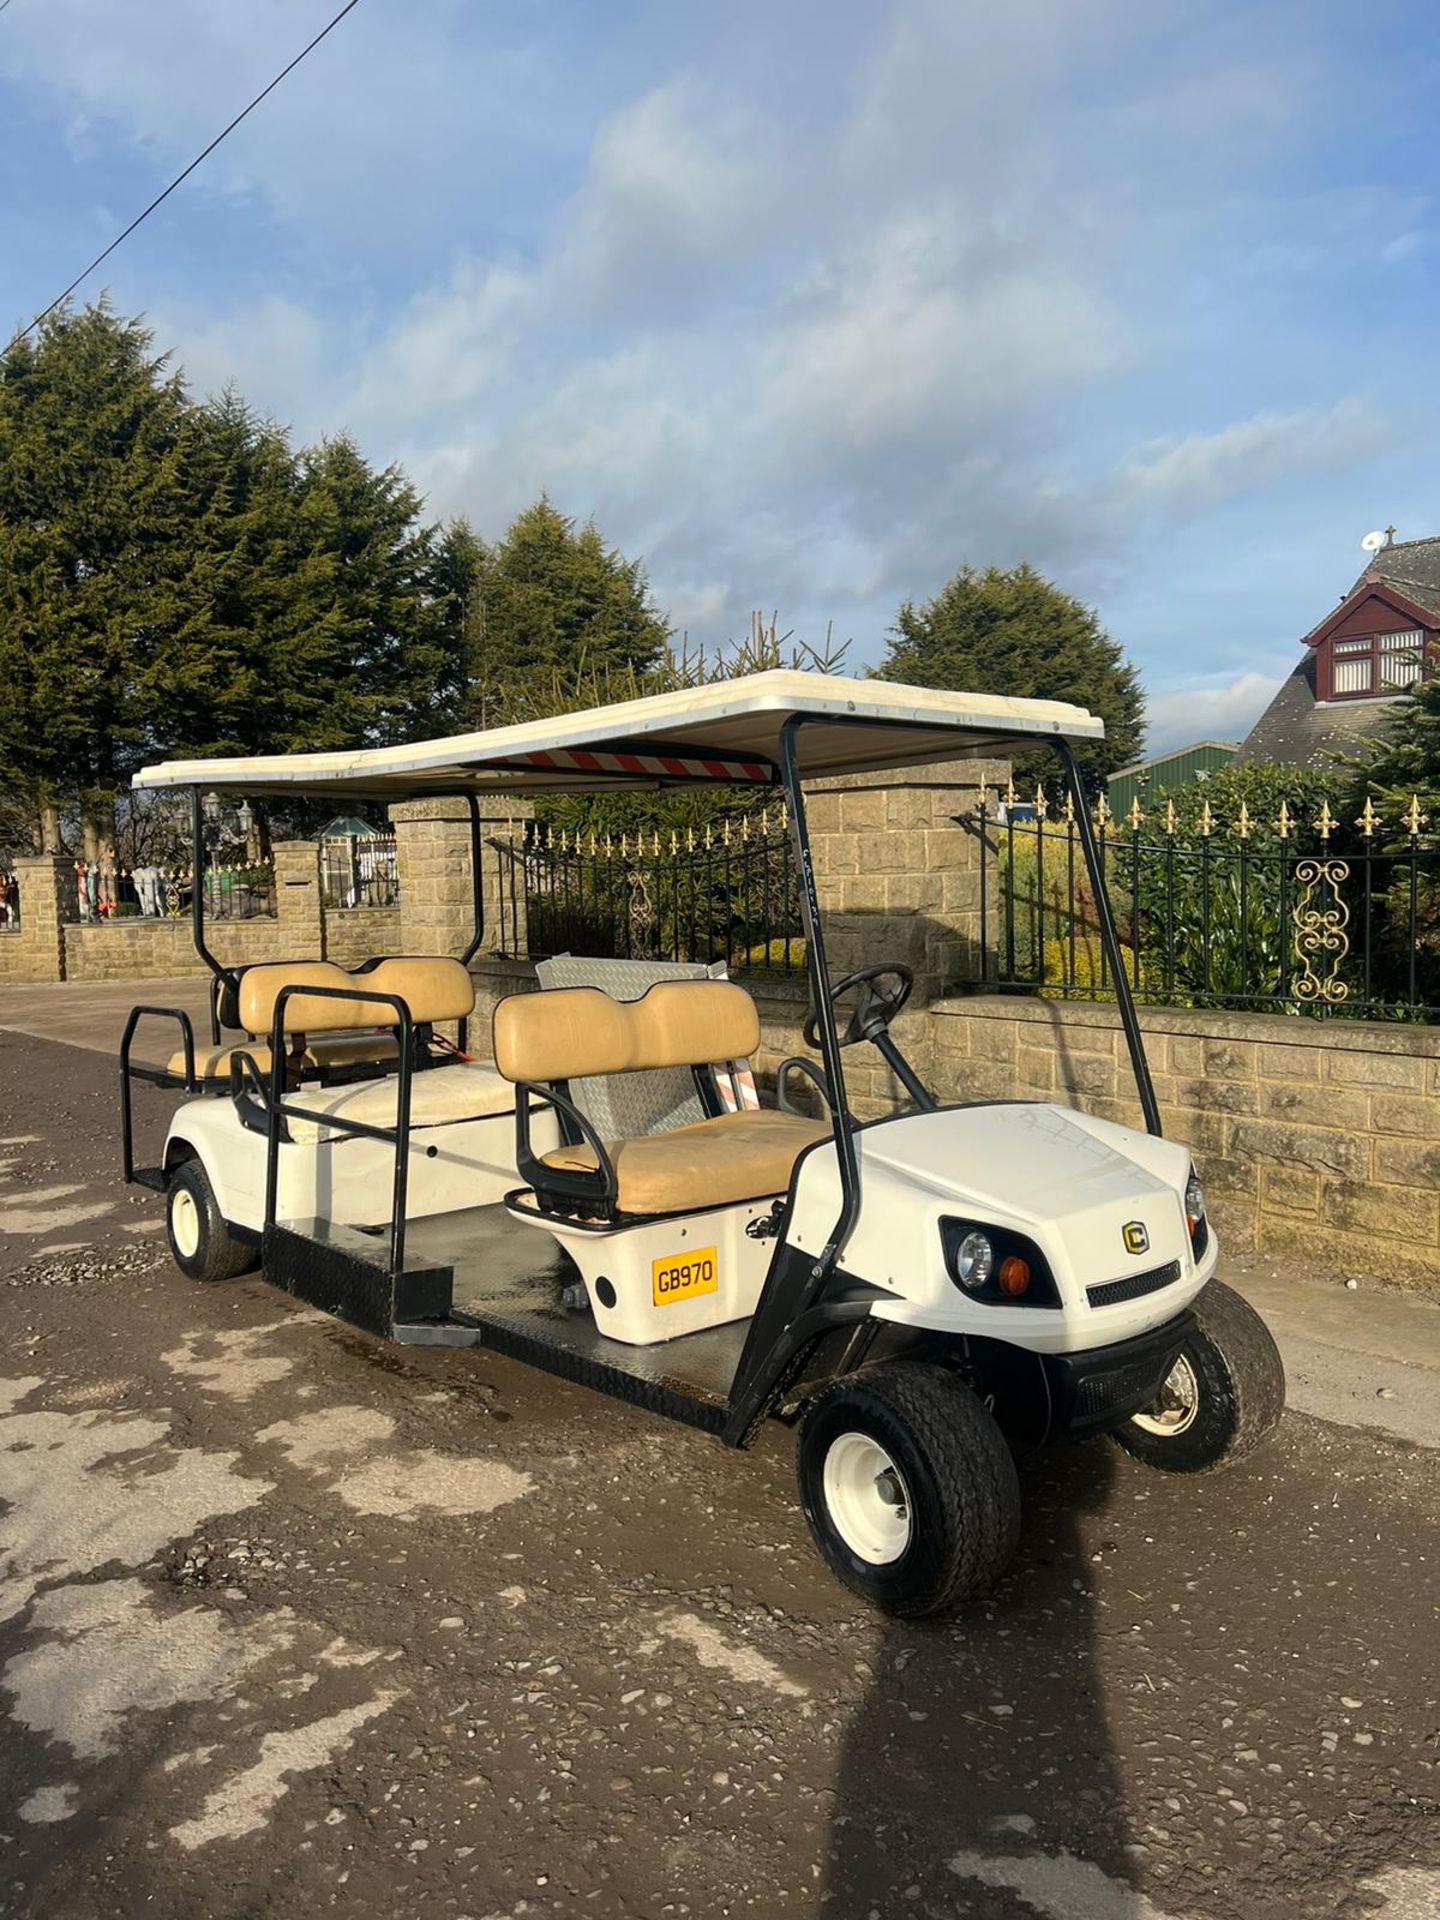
x=326, y=1035
x=439, y=1097
x=546, y=1039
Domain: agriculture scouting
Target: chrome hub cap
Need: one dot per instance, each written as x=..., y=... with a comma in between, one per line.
x=867, y=1499
x=1177, y=1405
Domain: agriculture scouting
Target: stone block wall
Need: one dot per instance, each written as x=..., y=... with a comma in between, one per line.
x=36, y=950
x=355, y=934
x=139, y=949
x=1316, y=1140
x=432, y=851
x=897, y=869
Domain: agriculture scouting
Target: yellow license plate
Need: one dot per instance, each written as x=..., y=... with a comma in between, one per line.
x=683, y=1276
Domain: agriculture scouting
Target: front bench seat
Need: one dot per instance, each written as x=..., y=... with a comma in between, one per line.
x=739, y=1156
x=546, y=1039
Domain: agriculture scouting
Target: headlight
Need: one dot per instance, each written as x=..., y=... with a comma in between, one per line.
x=974, y=1258
x=996, y=1266
x=1194, y=1202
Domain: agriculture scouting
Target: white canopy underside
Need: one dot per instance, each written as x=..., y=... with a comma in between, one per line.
x=730, y=721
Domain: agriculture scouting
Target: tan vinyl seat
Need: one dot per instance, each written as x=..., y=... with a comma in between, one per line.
x=352, y=1033
x=439, y=1097
x=575, y=1032
x=333, y=1051
x=739, y=1156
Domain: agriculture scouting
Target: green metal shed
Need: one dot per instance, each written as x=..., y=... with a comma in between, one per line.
x=1167, y=773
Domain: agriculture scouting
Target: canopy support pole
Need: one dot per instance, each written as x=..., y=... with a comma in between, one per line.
x=477, y=890
x=197, y=907
x=1110, y=943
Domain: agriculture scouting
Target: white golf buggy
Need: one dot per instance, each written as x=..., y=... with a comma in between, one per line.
x=916, y=1292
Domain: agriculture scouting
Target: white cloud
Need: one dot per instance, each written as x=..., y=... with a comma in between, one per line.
x=1206, y=713
x=807, y=306
x=915, y=333
x=1203, y=471
x=677, y=181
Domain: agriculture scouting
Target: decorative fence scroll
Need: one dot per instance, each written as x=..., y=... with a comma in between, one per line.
x=1320, y=917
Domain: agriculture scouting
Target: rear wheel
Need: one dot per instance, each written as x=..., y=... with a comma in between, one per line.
x=909, y=1488
x=1224, y=1394
x=202, y=1243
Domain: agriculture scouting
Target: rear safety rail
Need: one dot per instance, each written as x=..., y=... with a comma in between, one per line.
x=399, y=1133
x=152, y=1076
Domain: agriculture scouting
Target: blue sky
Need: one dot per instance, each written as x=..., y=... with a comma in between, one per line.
x=806, y=303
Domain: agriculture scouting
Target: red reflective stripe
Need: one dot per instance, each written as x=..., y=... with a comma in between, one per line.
x=583, y=761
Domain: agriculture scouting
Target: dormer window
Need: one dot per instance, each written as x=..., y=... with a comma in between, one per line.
x=1402, y=660
x=1354, y=668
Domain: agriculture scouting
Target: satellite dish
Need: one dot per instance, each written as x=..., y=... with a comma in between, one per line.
x=1372, y=543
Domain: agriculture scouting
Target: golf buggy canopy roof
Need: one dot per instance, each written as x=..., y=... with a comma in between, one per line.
x=728, y=733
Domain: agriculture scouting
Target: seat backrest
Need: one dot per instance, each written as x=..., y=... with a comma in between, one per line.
x=574, y=1031
x=435, y=988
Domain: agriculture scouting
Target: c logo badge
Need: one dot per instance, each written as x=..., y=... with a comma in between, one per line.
x=1137, y=1240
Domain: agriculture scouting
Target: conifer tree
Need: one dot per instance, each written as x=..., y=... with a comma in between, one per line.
x=90, y=513
x=1012, y=631
x=175, y=579
x=549, y=596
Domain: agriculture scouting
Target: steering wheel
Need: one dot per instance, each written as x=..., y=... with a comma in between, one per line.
x=876, y=1008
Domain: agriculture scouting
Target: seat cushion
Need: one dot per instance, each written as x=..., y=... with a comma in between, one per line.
x=739, y=1156
x=439, y=1097
x=328, y=1051
x=213, y=1063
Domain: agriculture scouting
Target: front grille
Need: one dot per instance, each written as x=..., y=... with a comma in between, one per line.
x=1134, y=1286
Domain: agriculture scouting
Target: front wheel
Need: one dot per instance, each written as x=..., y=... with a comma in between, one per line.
x=1224, y=1394
x=202, y=1243
x=909, y=1488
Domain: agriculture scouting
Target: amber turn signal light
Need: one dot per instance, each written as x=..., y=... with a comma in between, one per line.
x=1014, y=1275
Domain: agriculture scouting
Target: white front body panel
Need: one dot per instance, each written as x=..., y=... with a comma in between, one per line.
x=1068, y=1182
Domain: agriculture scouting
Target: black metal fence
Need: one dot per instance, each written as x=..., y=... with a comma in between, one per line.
x=1324, y=917
x=104, y=892
x=722, y=892
x=359, y=871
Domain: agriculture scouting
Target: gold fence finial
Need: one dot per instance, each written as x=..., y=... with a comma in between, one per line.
x=1325, y=825
x=1103, y=815
x=1041, y=803
x=1283, y=822
x=1136, y=817
x=1010, y=794
x=1206, y=822
x=1069, y=814
x=1369, y=819
x=1414, y=818
x=1171, y=819
x=1242, y=823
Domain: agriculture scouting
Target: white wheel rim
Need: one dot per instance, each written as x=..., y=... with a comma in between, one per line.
x=1177, y=1405
x=185, y=1222
x=867, y=1499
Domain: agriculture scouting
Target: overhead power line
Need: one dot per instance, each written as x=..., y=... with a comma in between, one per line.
x=204, y=154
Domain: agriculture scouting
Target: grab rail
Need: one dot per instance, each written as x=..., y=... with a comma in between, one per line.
x=278, y=1112
x=152, y=1076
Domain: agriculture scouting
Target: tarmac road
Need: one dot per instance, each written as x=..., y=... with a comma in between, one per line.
x=291, y=1622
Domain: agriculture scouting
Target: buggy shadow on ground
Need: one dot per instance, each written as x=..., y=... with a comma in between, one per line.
x=294, y=1622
